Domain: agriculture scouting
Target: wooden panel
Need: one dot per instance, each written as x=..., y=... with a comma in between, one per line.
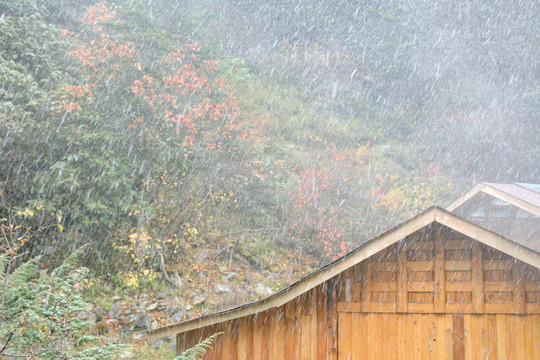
x=421, y=297
x=261, y=337
x=313, y=327
x=383, y=297
x=419, y=255
x=533, y=297
x=349, y=291
x=457, y=265
x=458, y=254
x=245, y=338
x=458, y=297
x=366, y=285
x=498, y=265
x=421, y=266
x=305, y=337
x=384, y=276
x=497, y=275
x=383, y=286
x=345, y=335
x=477, y=278
x=458, y=244
x=420, y=286
x=459, y=286
x=322, y=322
x=349, y=307
x=401, y=282
x=421, y=276
x=519, y=290
x=439, y=285
x=459, y=337
x=359, y=337
x=499, y=297
x=458, y=276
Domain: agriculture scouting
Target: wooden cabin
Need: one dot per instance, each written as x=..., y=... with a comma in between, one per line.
x=512, y=210
x=435, y=287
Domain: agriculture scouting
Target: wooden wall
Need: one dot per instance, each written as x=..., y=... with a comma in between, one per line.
x=433, y=295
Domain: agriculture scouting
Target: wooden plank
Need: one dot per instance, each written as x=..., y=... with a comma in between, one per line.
x=458, y=276
x=350, y=307
x=536, y=336
x=350, y=291
x=420, y=265
x=519, y=290
x=417, y=336
x=345, y=335
x=401, y=286
x=305, y=337
x=457, y=244
x=229, y=341
x=366, y=287
x=420, y=286
x=500, y=286
x=359, y=342
x=424, y=348
x=331, y=320
x=322, y=322
x=314, y=325
x=449, y=337
x=529, y=341
x=420, y=245
x=441, y=337
x=458, y=265
x=459, y=286
x=498, y=308
x=520, y=337
x=410, y=336
x=401, y=336
x=290, y=339
x=510, y=337
x=391, y=336
x=501, y=335
x=245, y=338
x=477, y=279
x=360, y=336
x=493, y=349
x=377, y=336
x=483, y=335
x=459, y=337
x=439, y=272
x=469, y=355
x=498, y=264
x=383, y=286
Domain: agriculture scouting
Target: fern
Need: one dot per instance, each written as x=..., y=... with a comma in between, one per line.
x=71, y=261
x=198, y=350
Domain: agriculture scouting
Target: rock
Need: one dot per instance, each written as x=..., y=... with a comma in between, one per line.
x=116, y=298
x=152, y=307
x=263, y=290
x=156, y=344
x=177, y=280
x=161, y=295
x=197, y=300
x=145, y=322
x=188, y=307
x=126, y=355
x=203, y=255
x=115, y=311
x=154, y=325
x=179, y=316
x=221, y=289
x=138, y=336
x=134, y=319
x=229, y=276
x=48, y=250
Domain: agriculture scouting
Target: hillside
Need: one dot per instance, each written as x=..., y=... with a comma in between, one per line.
x=212, y=152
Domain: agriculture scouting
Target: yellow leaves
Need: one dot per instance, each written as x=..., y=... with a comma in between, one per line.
x=26, y=213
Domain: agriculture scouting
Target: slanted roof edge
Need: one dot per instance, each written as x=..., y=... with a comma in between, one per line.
x=354, y=257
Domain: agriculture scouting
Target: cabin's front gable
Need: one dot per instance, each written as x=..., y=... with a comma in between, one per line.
x=436, y=293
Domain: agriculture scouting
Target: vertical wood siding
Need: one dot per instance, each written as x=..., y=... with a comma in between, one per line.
x=434, y=295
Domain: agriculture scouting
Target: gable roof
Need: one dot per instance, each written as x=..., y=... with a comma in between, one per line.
x=523, y=196
x=433, y=215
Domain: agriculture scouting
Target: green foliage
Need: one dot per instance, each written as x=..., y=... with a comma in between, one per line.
x=40, y=311
x=198, y=350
